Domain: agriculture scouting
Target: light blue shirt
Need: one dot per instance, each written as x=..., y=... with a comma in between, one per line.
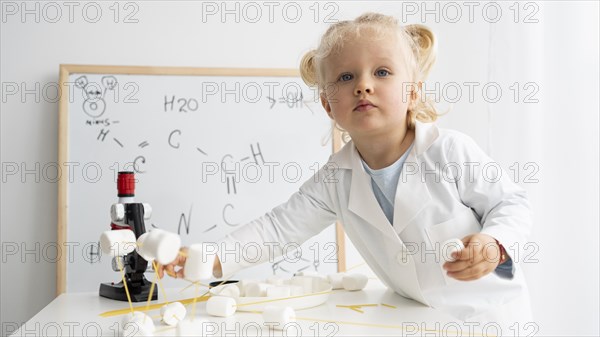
x=385, y=182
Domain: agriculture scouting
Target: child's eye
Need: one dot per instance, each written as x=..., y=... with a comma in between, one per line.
x=382, y=72
x=345, y=77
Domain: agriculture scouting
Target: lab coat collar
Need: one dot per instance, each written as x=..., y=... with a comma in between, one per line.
x=412, y=193
x=425, y=135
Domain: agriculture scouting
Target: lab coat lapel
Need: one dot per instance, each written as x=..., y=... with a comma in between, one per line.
x=412, y=194
x=362, y=200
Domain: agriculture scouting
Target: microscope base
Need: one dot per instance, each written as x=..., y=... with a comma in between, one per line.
x=116, y=291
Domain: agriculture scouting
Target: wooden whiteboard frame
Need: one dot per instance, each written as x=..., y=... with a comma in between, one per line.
x=66, y=70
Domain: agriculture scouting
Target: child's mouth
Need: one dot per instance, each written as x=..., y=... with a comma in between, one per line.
x=364, y=105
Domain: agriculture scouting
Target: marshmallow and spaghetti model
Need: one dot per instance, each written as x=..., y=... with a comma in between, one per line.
x=131, y=247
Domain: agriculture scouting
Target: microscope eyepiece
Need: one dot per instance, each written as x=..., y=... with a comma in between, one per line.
x=126, y=184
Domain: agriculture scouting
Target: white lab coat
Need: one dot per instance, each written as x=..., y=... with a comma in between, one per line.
x=448, y=188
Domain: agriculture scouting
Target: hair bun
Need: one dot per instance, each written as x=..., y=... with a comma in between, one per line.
x=425, y=42
x=308, y=70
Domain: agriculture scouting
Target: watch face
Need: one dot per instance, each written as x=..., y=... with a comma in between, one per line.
x=209, y=153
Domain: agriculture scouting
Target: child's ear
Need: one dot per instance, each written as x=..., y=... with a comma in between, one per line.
x=413, y=94
x=326, y=105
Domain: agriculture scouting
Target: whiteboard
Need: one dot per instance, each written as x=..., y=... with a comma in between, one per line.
x=212, y=149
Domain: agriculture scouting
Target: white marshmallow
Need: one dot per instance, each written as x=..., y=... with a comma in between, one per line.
x=449, y=247
x=257, y=289
x=306, y=282
x=276, y=280
x=229, y=290
x=173, y=313
x=296, y=290
x=199, y=263
x=336, y=280
x=278, y=317
x=354, y=282
x=242, y=284
x=279, y=291
x=190, y=328
x=118, y=242
x=162, y=245
x=138, y=324
x=168, y=248
x=221, y=306
x=141, y=250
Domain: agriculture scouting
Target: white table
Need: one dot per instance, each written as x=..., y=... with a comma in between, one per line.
x=77, y=314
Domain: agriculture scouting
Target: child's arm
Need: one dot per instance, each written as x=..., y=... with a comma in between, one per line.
x=304, y=215
x=502, y=205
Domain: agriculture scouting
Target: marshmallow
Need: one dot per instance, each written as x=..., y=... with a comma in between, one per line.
x=242, y=284
x=138, y=324
x=276, y=280
x=190, y=328
x=306, y=282
x=336, y=280
x=141, y=250
x=199, y=263
x=173, y=313
x=221, y=306
x=229, y=290
x=162, y=246
x=117, y=242
x=278, y=317
x=279, y=291
x=354, y=282
x=168, y=248
x=257, y=289
x=449, y=247
x=296, y=290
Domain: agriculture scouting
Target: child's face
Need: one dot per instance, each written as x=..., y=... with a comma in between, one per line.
x=373, y=70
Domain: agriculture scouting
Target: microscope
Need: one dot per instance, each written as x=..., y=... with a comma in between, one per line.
x=129, y=215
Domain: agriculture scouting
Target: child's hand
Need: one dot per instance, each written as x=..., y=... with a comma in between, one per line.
x=479, y=258
x=170, y=268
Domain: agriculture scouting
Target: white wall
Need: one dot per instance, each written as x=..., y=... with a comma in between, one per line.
x=559, y=134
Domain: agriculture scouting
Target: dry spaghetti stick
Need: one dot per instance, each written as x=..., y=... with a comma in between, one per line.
x=125, y=284
x=152, y=307
x=357, y=310
x=194, y=305
x=282, y=298
x=356, y=305
x=159, y=282
x=192, y=284
x=389, y=306
x=150, y=295
x=356, y=266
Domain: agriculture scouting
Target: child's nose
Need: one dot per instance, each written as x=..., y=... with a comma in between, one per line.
x=363, y=87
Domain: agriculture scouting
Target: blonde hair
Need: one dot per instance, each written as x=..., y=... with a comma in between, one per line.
x=419, y=39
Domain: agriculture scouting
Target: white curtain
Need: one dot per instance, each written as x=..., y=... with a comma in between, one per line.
x=558, y=56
